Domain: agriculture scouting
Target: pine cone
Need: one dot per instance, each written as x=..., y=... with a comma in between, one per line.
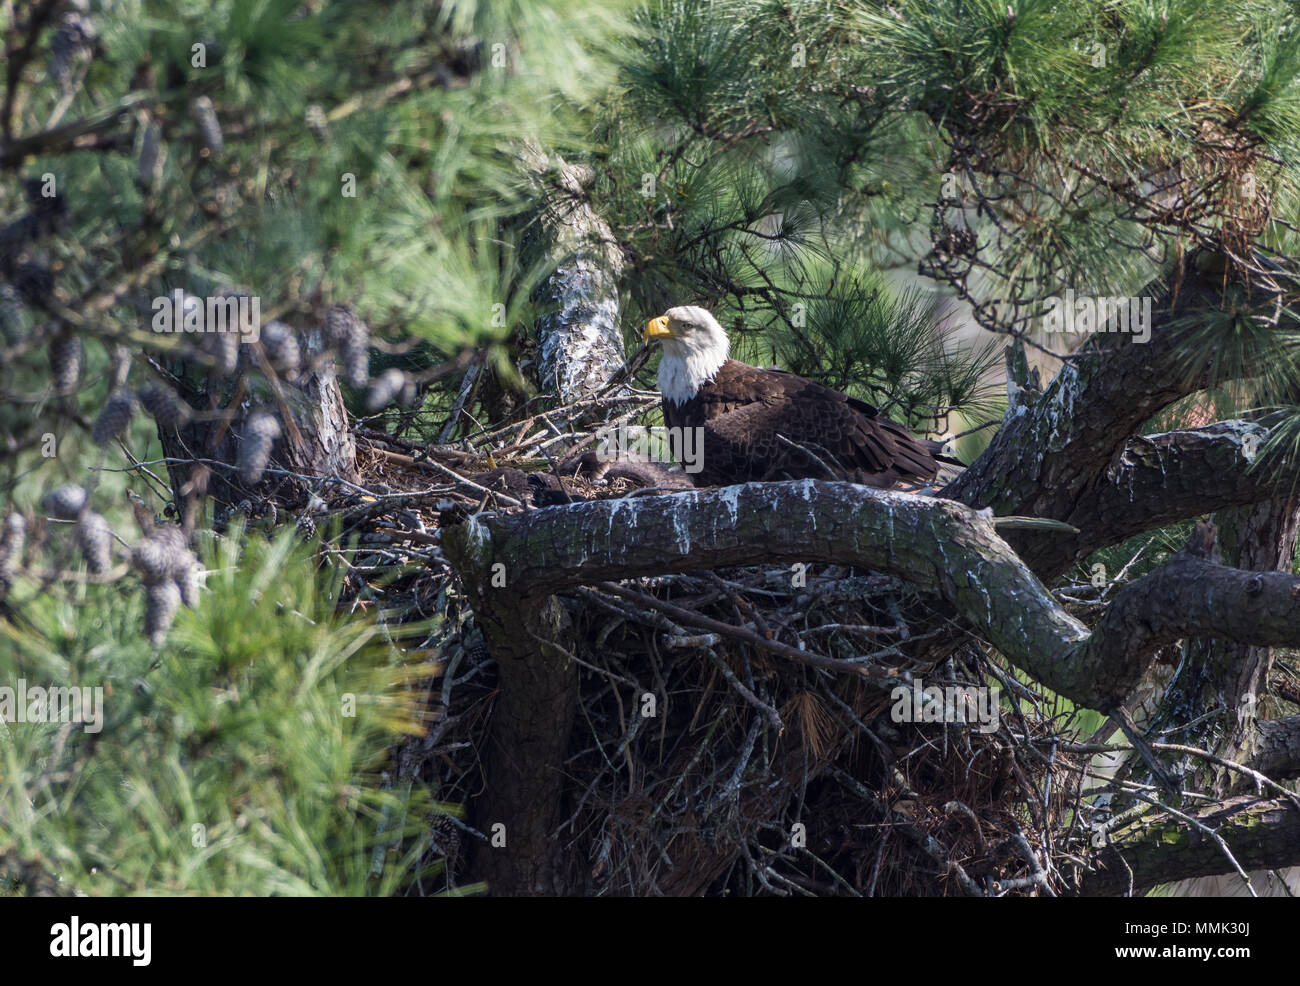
x=163, y=555
x=11, y=541
x=341, y=323
x=223, y=347
x=189, y=582
x=95, y=541
x=71, y=43
x=119, y=367
x=11, y=549
x=392, y=383
x=356, y=366
x=205, y=117
x=345, y=331
x=173, y=540
x=112, y=421
x=160, y=602
x=305, y=526
x=64, y=503
x=65, y=363
x=152, y=159
x=164, y=406
x=226, y=346
x=446, y=837
x=63, y=51
x=317, y=122
x=261, y=429
x=149, y=558
x=11, y=315
x=280, y=344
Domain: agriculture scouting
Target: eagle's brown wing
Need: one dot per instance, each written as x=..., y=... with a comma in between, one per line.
x=850, y=436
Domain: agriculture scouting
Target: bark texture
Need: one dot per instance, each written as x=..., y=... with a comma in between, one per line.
x=532, y=718
x=1061, y=454
x=580, y=339
x=935, y=545
x=1260, y=833
x=1277, y=748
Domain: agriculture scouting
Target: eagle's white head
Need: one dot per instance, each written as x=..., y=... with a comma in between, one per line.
x=695, y=347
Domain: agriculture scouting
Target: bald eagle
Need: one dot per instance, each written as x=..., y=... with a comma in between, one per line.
x=763, y=424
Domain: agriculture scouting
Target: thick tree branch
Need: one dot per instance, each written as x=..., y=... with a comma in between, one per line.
x=1161, y=479
x=523, y=763
x=1049, y=450
x=580, y=342
x=937, y=545
x=1053, y=450
x=1277, y=749
x=1194, y=597
x=1260, y=833
x=68, y=136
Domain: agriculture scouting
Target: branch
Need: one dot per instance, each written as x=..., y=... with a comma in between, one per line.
x=580, y=341
x=702, y=622
x=1161, y=479
x=1260, y=834
x=1051, y=451
x=70, y=135
x=1277, y=753
x=38, y=16
x=936, y=545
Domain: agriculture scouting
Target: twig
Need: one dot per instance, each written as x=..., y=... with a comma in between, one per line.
x=738, y=633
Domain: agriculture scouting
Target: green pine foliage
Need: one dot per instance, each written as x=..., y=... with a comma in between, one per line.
x=771, y=160
x=245, y=756
x=778, y=205
x=369, y=155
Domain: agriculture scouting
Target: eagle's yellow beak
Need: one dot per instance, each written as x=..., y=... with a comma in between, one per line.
x=657, y=328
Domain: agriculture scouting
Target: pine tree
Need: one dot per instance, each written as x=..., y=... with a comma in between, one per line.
x=436, y=207
x=316, y=158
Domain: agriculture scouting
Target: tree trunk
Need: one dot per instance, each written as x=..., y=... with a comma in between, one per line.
x=1227, y=675
x=522, y=803
x=580, y=340
x=315, y=437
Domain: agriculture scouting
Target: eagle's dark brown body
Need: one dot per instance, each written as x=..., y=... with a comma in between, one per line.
x=744, y=408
